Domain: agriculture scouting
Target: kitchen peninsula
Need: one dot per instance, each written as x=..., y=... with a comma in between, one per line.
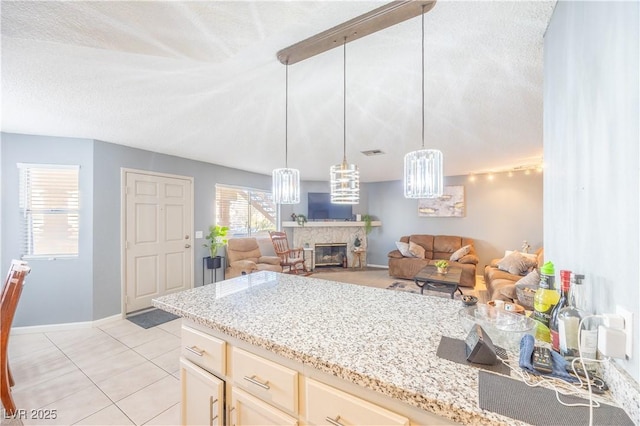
x=373, y=345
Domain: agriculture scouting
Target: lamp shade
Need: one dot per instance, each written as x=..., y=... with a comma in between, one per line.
x=286, y=186
x=345, y=183
x=423, y=174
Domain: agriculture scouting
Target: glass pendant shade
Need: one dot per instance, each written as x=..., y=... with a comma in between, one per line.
x=286, y=186
x=345, y=183
x=423, y=174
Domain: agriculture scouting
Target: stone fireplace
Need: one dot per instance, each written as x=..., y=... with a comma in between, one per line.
x=313, y=234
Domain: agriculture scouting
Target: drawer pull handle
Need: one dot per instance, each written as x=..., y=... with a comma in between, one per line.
x=195, y=350
x=253, y=380
x=334, y=422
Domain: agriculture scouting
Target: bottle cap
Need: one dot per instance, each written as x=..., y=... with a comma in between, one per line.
x=577, y=278
x=548, y=269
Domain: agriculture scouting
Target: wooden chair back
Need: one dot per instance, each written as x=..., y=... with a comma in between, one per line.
x=280, y=242
x=10, y=296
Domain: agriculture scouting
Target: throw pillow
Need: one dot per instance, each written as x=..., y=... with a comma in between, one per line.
x=416, y=250
x=404, y=249
x=531, y=256
x=464, y=250
x=532, y=279
x=516, y=264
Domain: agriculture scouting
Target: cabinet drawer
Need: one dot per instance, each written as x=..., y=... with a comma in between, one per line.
x=204, y=350
x=327, y=405
x=265, y=379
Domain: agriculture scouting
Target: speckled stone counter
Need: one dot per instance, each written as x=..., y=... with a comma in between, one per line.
x=380, y=339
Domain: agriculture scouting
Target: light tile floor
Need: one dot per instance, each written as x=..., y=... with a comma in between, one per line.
x=116, y=374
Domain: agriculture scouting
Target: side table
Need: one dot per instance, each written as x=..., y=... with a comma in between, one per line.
x=358, y=254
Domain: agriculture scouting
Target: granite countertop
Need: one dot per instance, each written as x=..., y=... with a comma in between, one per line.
x=380, y=339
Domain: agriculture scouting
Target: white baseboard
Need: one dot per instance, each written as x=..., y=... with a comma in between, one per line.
x=378, y=266
x=64, y=327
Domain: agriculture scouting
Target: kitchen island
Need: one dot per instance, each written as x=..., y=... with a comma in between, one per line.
x=376, y=344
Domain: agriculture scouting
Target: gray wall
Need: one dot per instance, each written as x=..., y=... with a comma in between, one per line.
x=499, y=215
x=591, y=138
x=89, y=288
x=57, y=291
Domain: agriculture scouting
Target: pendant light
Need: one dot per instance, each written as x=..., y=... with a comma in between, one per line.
x=423, y=170
x=345, y=177
x=286, y=181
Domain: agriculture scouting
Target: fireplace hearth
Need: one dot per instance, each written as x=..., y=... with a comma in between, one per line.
x=331, y=254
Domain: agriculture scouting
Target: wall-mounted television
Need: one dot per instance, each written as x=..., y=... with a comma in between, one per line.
x=321, y=208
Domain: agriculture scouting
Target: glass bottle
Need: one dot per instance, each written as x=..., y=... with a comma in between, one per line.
x=544, y=300
x=568, y=321
x=565, y=283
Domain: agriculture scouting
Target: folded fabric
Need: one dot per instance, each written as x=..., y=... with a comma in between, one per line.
x=559, y=369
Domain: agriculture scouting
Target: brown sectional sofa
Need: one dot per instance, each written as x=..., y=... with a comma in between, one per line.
x=501, y=284
x=436, y=247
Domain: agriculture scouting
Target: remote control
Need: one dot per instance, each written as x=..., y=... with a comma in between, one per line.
x=542, y=360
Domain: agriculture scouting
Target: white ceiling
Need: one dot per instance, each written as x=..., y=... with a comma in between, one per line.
x=201, y=80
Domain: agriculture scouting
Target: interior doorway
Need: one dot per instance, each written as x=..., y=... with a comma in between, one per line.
x=157, y=243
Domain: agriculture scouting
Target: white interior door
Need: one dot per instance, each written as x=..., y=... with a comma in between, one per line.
x=158, y=237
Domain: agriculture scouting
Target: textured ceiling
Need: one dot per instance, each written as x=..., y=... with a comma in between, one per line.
x=201, y=80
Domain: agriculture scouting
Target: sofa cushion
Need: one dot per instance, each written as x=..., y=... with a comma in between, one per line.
x=404, y=249
x=460, y=252
x=517, y=264
x=416, y=250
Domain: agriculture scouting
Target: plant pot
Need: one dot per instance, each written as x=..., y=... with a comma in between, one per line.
x=214, y=262
x=441, y=270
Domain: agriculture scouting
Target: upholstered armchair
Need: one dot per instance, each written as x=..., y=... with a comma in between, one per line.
x=243, y=255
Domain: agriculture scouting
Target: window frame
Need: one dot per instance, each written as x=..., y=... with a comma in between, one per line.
x=28, y=212
x=248, y=233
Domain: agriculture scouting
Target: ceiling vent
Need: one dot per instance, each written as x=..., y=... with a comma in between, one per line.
x=372, y=152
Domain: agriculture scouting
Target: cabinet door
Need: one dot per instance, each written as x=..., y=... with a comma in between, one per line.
x=327, y=405
x=249, y=410
x=202, y=396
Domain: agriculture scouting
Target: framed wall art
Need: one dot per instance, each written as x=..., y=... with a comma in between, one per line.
x=451, y=204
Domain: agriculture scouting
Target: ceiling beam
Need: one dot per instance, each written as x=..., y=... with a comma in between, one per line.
x=378, y=19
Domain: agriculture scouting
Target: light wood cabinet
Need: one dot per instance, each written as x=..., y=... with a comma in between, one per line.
x=326, y=405
x=249, y=410
x=202, y=396
x=257, y=387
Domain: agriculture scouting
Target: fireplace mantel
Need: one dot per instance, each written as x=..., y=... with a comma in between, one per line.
x=329, y=224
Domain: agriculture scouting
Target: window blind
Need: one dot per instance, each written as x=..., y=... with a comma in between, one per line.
x=49, y=208
x=246, y=211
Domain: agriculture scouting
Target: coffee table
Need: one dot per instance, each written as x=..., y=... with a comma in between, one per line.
x=430, y=277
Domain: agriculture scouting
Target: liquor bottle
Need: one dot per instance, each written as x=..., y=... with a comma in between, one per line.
x=565, y=283
x=568, y=322
x=544, y=300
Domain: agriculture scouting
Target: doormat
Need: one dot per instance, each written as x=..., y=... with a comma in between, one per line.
x=152, y=318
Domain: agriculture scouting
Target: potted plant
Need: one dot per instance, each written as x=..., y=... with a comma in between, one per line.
x=217, y=238
x=366, y=218
x=442, y=266
x=301, y=219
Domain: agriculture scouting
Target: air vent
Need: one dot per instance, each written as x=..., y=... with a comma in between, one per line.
x=372, y=152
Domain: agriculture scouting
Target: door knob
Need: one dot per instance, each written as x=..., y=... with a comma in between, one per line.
x=187, y=245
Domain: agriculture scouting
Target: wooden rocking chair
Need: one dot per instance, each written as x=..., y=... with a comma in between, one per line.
x=293, y=259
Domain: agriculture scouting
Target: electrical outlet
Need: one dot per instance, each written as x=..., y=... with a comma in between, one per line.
x=628, y=328
x=198, y=234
